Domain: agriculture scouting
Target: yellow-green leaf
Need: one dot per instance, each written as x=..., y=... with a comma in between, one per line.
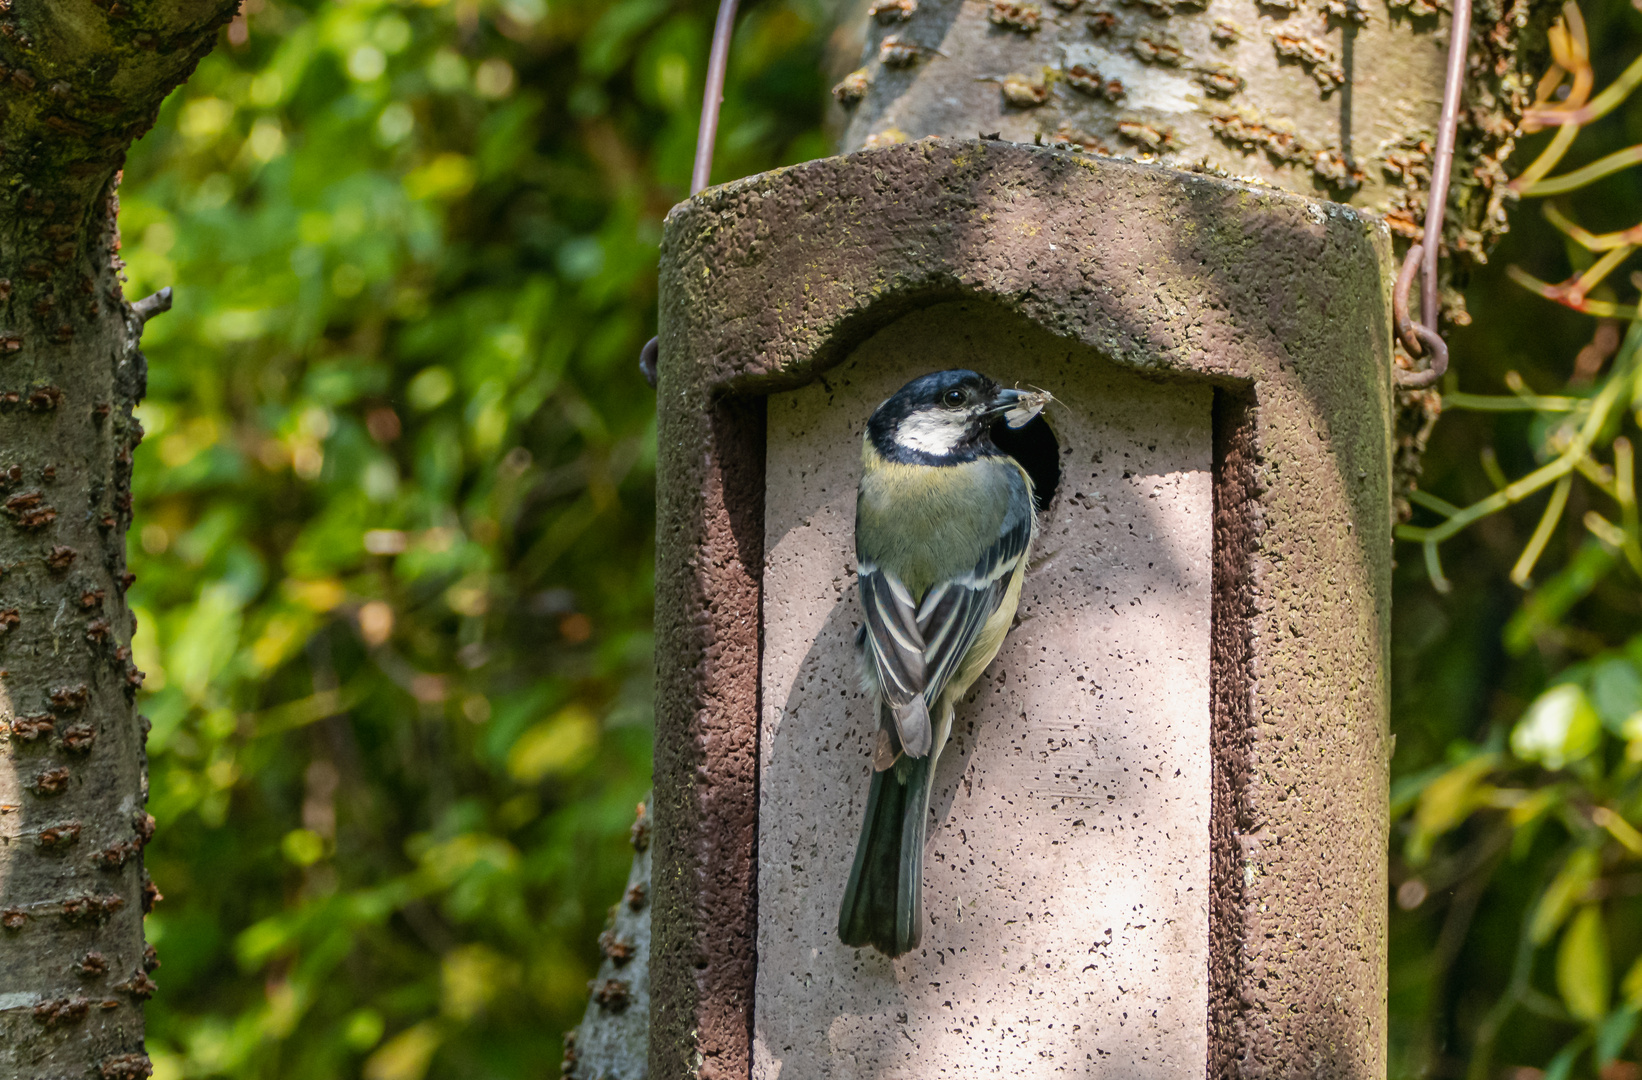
x=446, y=176
x=1559, y=727
x=304, y=847
x=1566, y=889
x=1582, y=975
x=406, y=1056
x=558, y=744
x=1447, y=801
x=471, y=977
x=1631, y=985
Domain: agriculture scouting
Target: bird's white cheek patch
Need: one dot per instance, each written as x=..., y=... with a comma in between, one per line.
x=932, y=433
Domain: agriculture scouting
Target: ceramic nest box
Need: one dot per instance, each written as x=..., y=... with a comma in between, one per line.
x=1157, y=842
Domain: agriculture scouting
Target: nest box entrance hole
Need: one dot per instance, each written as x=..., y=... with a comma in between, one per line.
x=1033, y=445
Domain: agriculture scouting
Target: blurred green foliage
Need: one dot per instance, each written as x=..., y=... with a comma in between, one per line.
x=1517, y=782
x=395, y=552
x=396, y=517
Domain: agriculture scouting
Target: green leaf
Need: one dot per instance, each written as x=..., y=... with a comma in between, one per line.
x=1631, y=985
x=1566, y=889
x=304, y=847
x=1614, y=1033
x=1547, y=605
x=1446, y=802
x=1582, y=974
x=1616, y=692
x=1562, y=1066
x=557, y=745
x=407, y=1055
x=1558, y=728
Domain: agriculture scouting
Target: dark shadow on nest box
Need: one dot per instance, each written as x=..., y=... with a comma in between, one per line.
x=1034, y=445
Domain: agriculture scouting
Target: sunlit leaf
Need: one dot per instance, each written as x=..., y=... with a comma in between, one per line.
x=1566, y=889
x=557, y=744
x=363, y=1029
x=1582, y=975
x=1558, y=728
x=1616, y=692
x=406, y=1056
x=471, y=976
x=304, y=847
x=1447, y=801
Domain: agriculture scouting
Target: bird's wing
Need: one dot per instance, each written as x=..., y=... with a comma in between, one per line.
x=896, y=646
x=916, y=646
x=954, y=611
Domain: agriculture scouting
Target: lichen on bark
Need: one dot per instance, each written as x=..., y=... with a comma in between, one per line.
x=82, y=80
x=1332, y=98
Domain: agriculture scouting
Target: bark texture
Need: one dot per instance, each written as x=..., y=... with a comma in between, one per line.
x=81, y=81
x=612, y=1042
x=1336, y=99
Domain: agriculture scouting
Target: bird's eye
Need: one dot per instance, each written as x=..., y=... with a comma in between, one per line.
x=953, y=398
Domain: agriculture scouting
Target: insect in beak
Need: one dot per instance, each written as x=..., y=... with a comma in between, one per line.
x=1018, y=407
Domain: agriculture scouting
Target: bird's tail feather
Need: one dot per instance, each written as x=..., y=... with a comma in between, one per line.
x=883, y=902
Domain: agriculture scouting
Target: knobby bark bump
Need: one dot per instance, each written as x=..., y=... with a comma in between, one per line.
x=81, y=80
x=613, y=1041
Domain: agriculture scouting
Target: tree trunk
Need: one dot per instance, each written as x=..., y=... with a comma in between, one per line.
x=1336, y=99
x=613, y=1040
x=82, y=80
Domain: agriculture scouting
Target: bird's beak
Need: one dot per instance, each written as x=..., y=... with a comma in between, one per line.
x=1017, y=407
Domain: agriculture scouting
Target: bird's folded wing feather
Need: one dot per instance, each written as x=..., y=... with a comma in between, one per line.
x=897, y=648
x=953, y=612
x=917, y=647
x=893, y=638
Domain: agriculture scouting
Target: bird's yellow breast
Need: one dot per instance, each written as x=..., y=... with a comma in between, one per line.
x=930, y=523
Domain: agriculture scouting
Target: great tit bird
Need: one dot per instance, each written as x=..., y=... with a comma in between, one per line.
x=944, y=522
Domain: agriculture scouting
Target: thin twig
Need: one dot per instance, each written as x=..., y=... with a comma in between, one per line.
x=1522, y=968
x=1431, y=502
x=1600, y=476
x=1500, y=403
x=1547, y=160
x=1596, y=170
x=1561, y=294
x=1588, y=240
x=1600, y=106
x=1624, y=467
x=152, y=305
x=1522, y=572
x=1598, y=270
x=1552, y=472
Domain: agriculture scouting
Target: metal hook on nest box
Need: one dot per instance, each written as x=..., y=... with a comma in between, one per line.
x=718, y=61
x=1417, y=338
x=1421, y=339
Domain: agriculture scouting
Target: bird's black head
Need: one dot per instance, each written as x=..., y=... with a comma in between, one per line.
x=941, y=418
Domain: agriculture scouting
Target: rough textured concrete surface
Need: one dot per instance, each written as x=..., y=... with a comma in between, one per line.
x=1067, y=876
x=1276, y=304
